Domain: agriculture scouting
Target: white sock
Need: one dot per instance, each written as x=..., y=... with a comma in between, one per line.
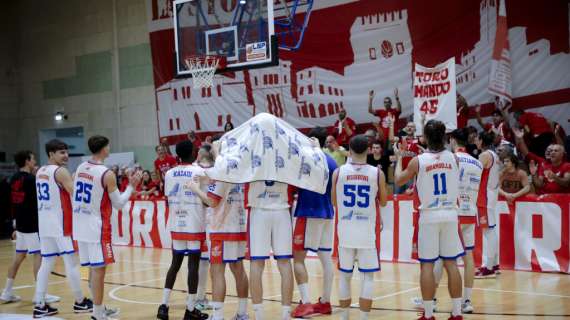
x=428, y=308
x=242, y=306
x=9, y=285
x=202, y=279
x=467, y=293
x=73, y=277
x=98, y=310
x=304, y=291
x=191, y=302
x=258, y=311
x=218, y=310
x=166, y=296
x=42, y=279
x=344, y=313
x=285, y=312
x=328, y=274
x=456, y=311
x=364, y=315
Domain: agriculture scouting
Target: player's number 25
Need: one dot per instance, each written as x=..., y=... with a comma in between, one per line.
x=83, y=192
x=357, y=195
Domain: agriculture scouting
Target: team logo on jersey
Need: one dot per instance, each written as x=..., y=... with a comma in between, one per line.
x=174, y=190
x=293, y=148
x=316, y=158
x=255, y=161
x=434, y=204
x=231, y=164
x=348, y=216
x=243, y=148
x=279, y=161
x=216, y=251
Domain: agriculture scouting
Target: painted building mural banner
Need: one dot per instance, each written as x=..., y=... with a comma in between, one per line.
x=352, y=47
x=534, y=232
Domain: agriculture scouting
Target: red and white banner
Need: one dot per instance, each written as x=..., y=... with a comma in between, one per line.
x=352, y=47
x=500, y=80
x=534, y=232
x=435, y=95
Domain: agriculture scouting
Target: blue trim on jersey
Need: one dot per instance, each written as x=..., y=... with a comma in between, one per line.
x=453, y=258
x=470, y=248
x=187, y=251
x=345, y=270
x=34, y=252
x=50, y=254
x=315, y=205
x=204, y=259
x=68, y=252
x=233, y=260
x=369, y=270
x=58, y=253
x=325, y=249
x=493, y=226
x=428, y=260
x=98, y=264
x=317, y=250
x=288, y=256
x=258, y=257
x=22, y=251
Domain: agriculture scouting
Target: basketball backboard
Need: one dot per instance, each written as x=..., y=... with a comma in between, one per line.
x=242, y=31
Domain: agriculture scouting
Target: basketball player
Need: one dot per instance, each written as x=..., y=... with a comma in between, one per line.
x=314, y=232
x=95, y=191
x=437, y=173
x=54, y=185
x=227, y=233
x=25, y=214
x=269, y=230
x=469, y=180
x=187, y=226
x=359, y=191
x=487, y=201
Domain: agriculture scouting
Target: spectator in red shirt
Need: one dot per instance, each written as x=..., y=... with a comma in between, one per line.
x=163, y=162
x=462, y=111
x=499, y=124
x=411, y=146
x=513, y=182
x=537, y=129
x=146, y=189
x=159, y=193
x=550, y=174
x=386, y=115
x=344, y=128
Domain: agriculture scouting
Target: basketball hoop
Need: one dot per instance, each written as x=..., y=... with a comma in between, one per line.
x=203, y=69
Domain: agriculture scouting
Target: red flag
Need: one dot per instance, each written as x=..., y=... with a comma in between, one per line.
x=500, y=81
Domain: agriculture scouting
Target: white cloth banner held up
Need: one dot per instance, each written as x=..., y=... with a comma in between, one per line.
x=434, y=95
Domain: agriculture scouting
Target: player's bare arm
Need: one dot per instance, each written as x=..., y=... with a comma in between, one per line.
x=118, y=199
x=333, y=189
x=398, y=103
x=486, y=159
x=401, y=177
x=194, y=186
x=63, y=178
x=370, y=99
x=383, y=192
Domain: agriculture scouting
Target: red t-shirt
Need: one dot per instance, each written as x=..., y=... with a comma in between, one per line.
x=384, y=121
x=535, y=122
x=505, y=132
x=543, y=165
x=412, y=150
x=164, y=165
x=342, y=137
x=462, y=117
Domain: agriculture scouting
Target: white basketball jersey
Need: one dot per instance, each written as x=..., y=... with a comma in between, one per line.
x=229, y=215
x=54, y=204
x=357, y=206
x=470, y=170
x=437, y=186
x=490, y=184
x=187, y=212
x=270, y=195
x=91, y=204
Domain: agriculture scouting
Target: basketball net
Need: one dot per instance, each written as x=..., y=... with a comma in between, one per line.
x=202, y=69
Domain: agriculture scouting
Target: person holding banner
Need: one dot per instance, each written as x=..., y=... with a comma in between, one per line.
x=387, y=116
x=487, y=201
x=437, y=176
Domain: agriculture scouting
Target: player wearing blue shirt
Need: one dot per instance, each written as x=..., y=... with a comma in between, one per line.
x=314, y=231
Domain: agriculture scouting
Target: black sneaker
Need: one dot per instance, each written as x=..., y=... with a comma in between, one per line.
x=44, y=311
x=162, y=313
x=195, y=315
x=84, y=306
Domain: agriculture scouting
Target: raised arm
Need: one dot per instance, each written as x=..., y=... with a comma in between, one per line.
x=119, y=199
x=519, y=141
x=537, y=181
x=398, y=103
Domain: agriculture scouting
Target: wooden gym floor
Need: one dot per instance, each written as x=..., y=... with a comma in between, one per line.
x=134, y=284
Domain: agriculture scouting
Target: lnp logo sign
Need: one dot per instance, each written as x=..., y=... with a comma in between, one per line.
x=256, y=51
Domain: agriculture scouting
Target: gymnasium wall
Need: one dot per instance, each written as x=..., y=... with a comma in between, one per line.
x=71, y=57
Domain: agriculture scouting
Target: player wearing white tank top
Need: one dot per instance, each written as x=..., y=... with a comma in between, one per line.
x=487, y=201
x=94, y=196
x=436, y=173
x=54, y=186
x=358, y=191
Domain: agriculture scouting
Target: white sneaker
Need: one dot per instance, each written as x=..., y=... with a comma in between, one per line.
x=418, y=302
x=203, y=304
x=467, y=307
x=112, y=312
x=240, y=317
x=8, y=297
